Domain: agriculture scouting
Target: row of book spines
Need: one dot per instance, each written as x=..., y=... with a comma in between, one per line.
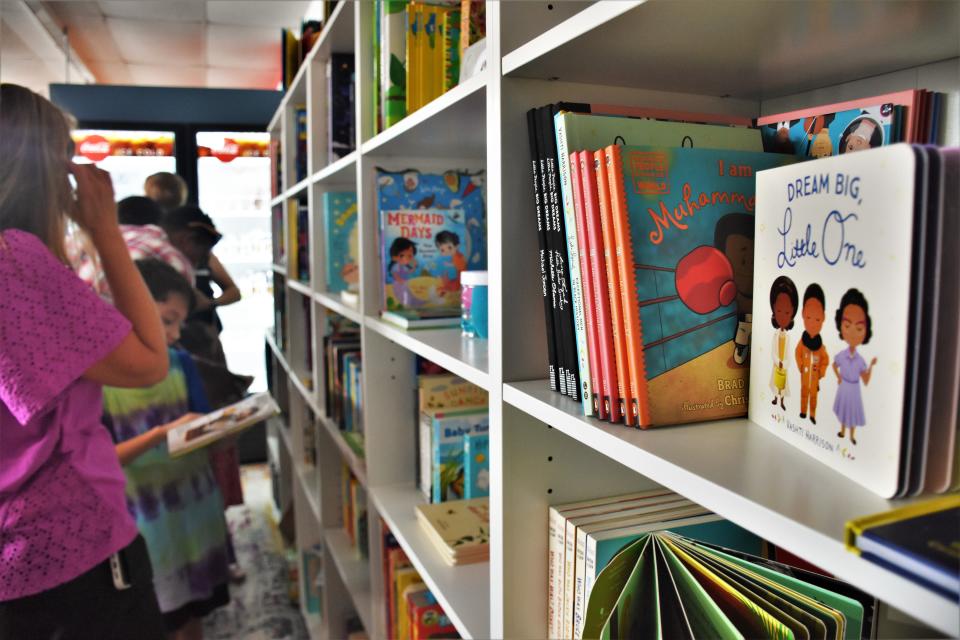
x=343, y=365
x=417, y=50
x=413, y=613
x=298, y=228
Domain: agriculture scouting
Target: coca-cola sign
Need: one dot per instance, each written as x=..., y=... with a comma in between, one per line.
x=229, y=151
x=94, y=148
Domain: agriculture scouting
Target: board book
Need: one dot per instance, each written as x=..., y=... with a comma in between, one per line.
x=432, y=227
x=476, y=465
x=220, y=424
x=442, y=458
x=459, y=529
x=850, y=255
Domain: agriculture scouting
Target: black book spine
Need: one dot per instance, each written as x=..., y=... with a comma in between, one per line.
x=545, y=283
x=551, y=239
x=567, y=344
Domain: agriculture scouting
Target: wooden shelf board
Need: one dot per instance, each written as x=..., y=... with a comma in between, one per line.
x=748, y=475
x=354, y=571
x=463, y=592
x=466, y=357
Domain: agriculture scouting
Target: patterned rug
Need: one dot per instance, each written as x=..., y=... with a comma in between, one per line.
x=260, y=607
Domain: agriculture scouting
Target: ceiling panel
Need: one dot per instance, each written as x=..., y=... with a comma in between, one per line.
x=168, y=76
x=225, y=78
x=235, y=46
x=12, y=46
x=143, y=42
x=73, y=9
x=92, y=39
x=32, y=74
x=111, y=72
x=156, y=10
x=279, y=13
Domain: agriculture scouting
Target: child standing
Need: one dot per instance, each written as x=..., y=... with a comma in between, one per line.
x=176, y=502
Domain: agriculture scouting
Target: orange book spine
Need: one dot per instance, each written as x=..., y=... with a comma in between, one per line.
x=613, y=285
x=632, y=332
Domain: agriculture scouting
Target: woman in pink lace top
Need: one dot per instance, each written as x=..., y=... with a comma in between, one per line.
x=71, y=562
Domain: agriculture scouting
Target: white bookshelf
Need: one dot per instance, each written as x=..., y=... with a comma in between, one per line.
x=745, y=58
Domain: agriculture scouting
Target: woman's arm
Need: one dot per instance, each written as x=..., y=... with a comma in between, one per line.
x=230, y=291
x=130, y=450
x=141, y=358
x=865, y=376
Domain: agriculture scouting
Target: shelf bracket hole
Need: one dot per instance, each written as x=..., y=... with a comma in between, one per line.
x=549, y=458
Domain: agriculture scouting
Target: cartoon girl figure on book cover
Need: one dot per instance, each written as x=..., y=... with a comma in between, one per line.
x=783, y=304
x=812, y=357
x=854, y=324
x=403, y=267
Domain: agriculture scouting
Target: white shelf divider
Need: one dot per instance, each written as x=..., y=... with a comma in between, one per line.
x=464, y=591
x=308, y=396
x=749, y=476
x=354, y=571
x=307, y=476
x=303, y=288
x=466, y=357
x=358, y=466
x=338, y=171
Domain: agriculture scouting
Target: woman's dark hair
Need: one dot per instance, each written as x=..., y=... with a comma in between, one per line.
x=816, y=292
x=783, y=284
x=853, y=296
x=163, y=280
x=139, y=210
x=192, y=219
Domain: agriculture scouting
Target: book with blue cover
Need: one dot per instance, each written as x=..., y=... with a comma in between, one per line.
x=432, y=228
x=476, y=465
x=342, y=242
x=447, y=430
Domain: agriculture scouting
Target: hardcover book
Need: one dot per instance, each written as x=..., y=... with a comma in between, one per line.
x=341, y=110
x=393, y=69
x=432, y=228
x=476, y=466
x=460, y=529
x=444, y=474
x=342, y=241
x=683, y=227
x=221, y=423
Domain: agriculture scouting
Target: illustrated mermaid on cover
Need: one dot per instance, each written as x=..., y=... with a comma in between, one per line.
x=854, y=325
x=783, y=304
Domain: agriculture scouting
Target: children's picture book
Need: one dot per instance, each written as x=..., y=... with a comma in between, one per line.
x=300, y=156
x=683, y=230
x=848, y=258
x=459, y=529
x=221, y=423
x=432, y=228
x=427, y=617
x=662, y=584
x=410, y=320
x=441, y=449
x=393, y=61
x=476, y=465
x=448, y=391
x=831, y=134
x=342, y=241
x=313, y=579
x=918, y=541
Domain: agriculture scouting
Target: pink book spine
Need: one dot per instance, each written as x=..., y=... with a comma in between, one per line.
x=599, y=287
x=586, y=285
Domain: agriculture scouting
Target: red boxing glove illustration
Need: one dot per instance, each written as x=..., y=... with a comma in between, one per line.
x=704, y=280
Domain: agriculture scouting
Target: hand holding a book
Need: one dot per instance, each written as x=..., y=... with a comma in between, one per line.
x=184, y=419
x=130, y=450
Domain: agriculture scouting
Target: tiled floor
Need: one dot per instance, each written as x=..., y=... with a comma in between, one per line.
x=260, y=607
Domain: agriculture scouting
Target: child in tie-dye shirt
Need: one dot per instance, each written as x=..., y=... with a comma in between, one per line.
x=176, y=502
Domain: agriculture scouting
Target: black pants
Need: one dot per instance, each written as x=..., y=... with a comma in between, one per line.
x=89, y=607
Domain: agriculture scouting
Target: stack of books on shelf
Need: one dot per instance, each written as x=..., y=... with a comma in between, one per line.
x=341, y=242
x=413, y=612
x=417, y=52
x=453, y=438
x=353, y=499
x=432, y=228
x=313, y=579
x=652, y=564
x=646, y=228
x=458, y=529
x=918, y=542
x=343, y=364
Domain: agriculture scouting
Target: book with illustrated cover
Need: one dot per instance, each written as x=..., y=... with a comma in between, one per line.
x=451, y=48
x=300, y=155
x=857, y=364
x=393, y=61
x=476, y=465
x=432, y=227
x=313, y=580
x=221, y=423
x=342, y=241
x=666, y=585
x=341, y=115
x=409, y=320
x=448, y=391
x=427, y=617
x=441, y=449
x=459, y=529
x=683, y=227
